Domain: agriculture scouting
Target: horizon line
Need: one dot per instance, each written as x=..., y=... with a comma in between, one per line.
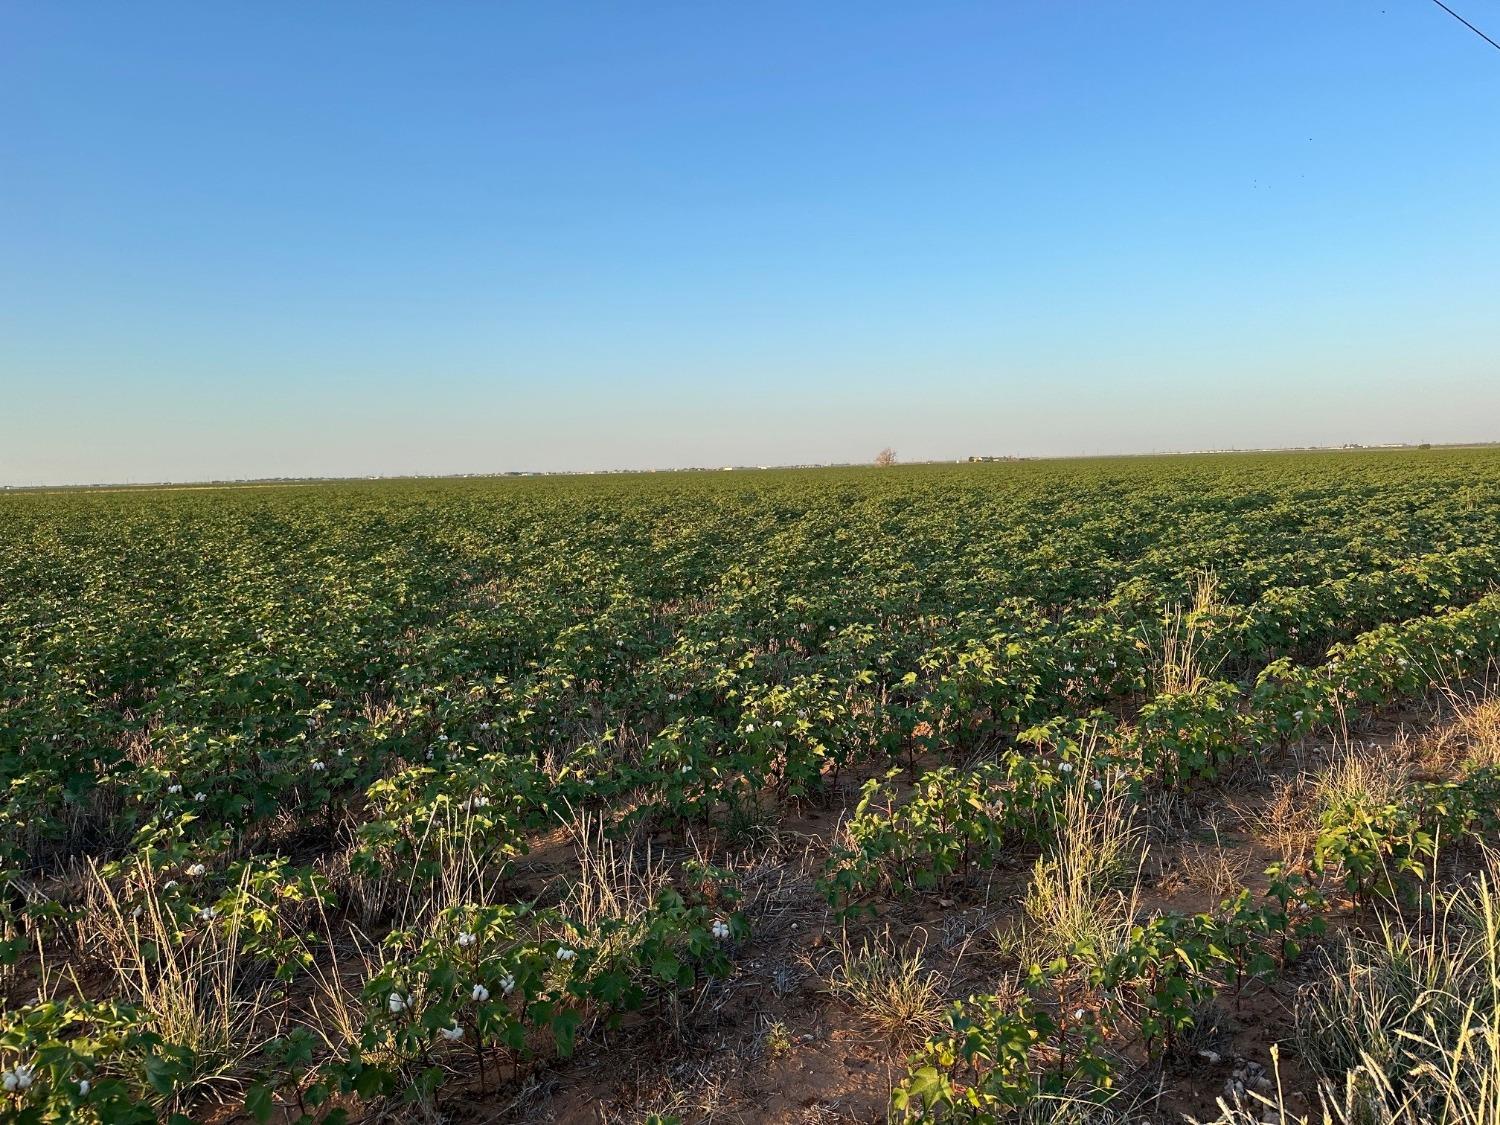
x=274, y=481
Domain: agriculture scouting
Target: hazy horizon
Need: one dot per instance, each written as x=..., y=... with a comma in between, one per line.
x=341, y=241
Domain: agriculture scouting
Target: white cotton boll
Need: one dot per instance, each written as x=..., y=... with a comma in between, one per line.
x=208, y=914
x=318, y=767
x=479, y=994
x=174, y=788
x=1066, y=767
x=84, y=1086
x=451, y=1034
x=465, y=940
x=507, y=985
x=200, y=796
x=169, y=884
x=196, y=870
x=398, y=1003
x=566, y=954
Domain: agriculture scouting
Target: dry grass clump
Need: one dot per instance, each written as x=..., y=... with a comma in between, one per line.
x=1472, y=740
x=1404, y=1028
x=1180, y=661
x=1363, y=777
x=890, y=987
x=1286, y=821
x=1075, y=896
x=190, y=986
x=1411, y=1013
x=1216, y=869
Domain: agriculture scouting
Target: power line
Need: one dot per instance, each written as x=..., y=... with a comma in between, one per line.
x=1467, y=24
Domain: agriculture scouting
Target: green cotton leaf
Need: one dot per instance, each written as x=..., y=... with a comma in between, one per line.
x=162, y=1073
x=371, y=1080
x=666, y=967
x=924, y=1084
x=565, y=1031
x=260, y=1102
x=611, y=986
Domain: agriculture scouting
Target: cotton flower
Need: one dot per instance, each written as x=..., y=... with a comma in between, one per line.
x=451, y=1034
x=397, y=1003
x=479, y=994
x=566, y=954
x=465, y=940
x=196, y=870
x=720, y=930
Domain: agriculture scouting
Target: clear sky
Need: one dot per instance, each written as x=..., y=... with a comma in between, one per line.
x=287, y=238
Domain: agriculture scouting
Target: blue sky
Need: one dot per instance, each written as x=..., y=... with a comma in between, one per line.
x=295, y=239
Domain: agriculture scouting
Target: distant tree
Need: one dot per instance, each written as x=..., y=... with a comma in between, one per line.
x=886, y=456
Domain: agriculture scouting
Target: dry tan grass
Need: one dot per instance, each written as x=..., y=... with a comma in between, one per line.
x=1075, y=894
x=189, y=985
x=1178, y=663
x=888, y=985
x=1471, y=741
x=1285, y=821
x=1214, y=868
